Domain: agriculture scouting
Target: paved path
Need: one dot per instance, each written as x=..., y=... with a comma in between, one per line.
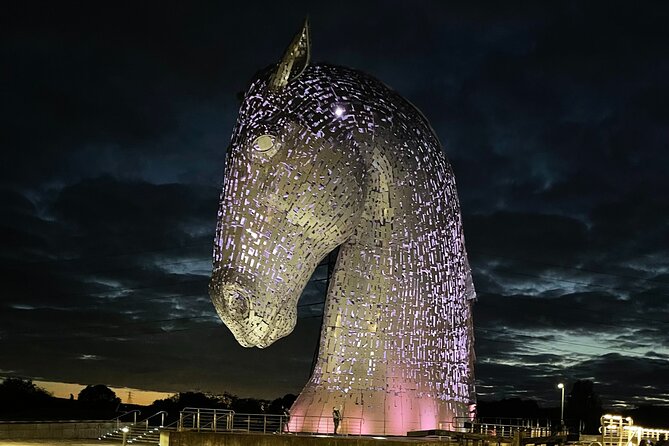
x=42, y=442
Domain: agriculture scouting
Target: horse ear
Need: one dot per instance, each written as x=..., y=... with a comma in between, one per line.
x=294, y=60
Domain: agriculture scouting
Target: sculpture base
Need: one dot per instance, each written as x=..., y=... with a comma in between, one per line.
x=373, y=413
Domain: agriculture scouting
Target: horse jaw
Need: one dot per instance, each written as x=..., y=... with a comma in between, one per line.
x=235, y=306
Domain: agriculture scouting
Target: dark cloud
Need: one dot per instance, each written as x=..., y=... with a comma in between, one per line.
x=134, y=210
x=625, y=379
x=115, y=125
x=526, y=235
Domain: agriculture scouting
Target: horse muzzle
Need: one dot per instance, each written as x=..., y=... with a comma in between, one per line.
x=236, y=307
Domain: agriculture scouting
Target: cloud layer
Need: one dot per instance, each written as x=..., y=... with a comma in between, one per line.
x=116, y=122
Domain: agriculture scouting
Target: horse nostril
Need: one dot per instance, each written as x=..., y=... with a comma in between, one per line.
x=238, y=305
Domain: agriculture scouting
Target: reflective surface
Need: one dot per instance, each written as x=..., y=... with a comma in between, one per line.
x=324, y=156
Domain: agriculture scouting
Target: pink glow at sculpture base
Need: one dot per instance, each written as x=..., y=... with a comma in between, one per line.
x=397, y=418
x=325, y=156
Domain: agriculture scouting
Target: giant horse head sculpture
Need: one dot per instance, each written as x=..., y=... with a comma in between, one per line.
x=278, y=216
x=325, y=156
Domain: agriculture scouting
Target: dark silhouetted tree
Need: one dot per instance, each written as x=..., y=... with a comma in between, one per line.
x=583, y=408
x=648, y=415
x=509, y=408
x=177, y=402
x=249, y=405
x=276, y=406
x=17, y=391
x=199, y=399
x=98, y=393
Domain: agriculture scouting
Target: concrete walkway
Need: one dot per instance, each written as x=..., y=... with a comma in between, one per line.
x=46, y=441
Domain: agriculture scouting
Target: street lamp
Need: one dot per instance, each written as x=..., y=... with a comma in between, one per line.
x=125, y=431
x=561, y=387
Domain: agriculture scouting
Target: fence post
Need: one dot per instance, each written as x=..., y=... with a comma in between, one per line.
x=214, y=420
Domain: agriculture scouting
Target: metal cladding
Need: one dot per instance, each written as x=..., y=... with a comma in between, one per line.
x=324, y=156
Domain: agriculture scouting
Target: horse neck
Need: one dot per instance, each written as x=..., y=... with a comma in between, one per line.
x=400, y=235
x=401, y=278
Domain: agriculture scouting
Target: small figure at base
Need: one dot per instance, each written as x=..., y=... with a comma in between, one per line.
x=286, y=419
x=336, y=417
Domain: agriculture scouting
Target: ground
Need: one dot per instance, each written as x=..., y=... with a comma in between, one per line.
x=35, y=442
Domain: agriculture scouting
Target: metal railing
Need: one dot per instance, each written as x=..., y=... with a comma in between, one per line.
x=136, y=429
x=325, y=425
x=162, y=414
x=134, y=417
x=261, y=423
x=617, y=430
x=223, y=420
x=201, y=419
x=145, y=429
x=503, y=427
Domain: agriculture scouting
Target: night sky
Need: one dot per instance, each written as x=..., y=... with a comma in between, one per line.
x=115, y=122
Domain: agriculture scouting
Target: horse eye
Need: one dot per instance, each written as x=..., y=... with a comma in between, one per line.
x=263, y=143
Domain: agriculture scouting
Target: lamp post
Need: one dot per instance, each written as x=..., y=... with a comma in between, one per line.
x=561, y=387
x=125, y=431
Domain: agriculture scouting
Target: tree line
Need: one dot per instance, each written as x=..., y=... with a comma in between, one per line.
x=21, y=399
